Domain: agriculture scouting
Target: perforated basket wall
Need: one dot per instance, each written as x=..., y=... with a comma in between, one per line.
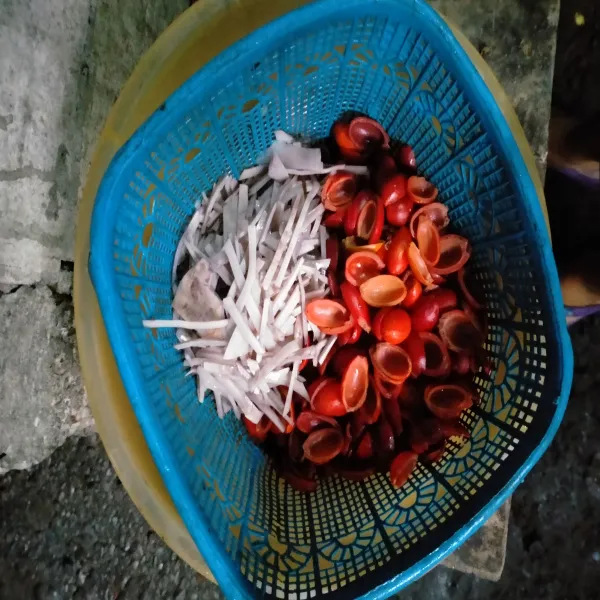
x=396, y=61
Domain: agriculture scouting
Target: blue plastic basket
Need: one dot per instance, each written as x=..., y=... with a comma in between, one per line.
x=398, y=62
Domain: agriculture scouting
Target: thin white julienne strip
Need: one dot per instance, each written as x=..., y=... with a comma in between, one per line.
x=200, y=389
x=234, y=263
x=223, y=273
x=323, y=239
x=278, y=358
x=287, y=286
x=285, y=239
x=321, y=264
x=214, y=196
x=247, y=407
x=194, y=223
x=237, y=346
x=218, y=368
x=305, y=247
x=271, y=242
x=236, y=408
x=318, y=347
x=279, y=377
x=198, y=325
x=251, y=275
x=263, y=388
x=193, y=251
x=298, y=330
x=219, y=404
x=213, y=219
x=315, y=213
x=243, y=371
x=290, y=394
x=321, y=277
x=274, y=418
x=300, y=389
x=260, y=184
x=242, y=208
x=356, y=169
x=232, y=290
x=200, y=361
x=200, y=344
x=274, y=399
x=277, y=170
x=326, y=349
x=264, y=318
x=251, y=172
x=297, y=156
x=261, y=216
x=314, y=232
x=230, y=212
x=261, y=211
x=230, y=184
x=287, y=308
x=267, y=225
x=243, y=326
x=292, y=243
x=303, y=312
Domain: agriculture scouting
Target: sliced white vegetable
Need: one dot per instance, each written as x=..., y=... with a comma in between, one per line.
x=242, y=325
x=277, y=170
x=327, y=348
x=197, y=325
x=264, y=240
x=297, y=157
x=281, y=296
x=201, y=344
x=252, y=172
x=282, y=136
x=303, y=313
x=292, y=244
x=285, y=239
x=286, y=312
x=242, y=209
x=234, y=264
x=251, y=275
x=290, y=394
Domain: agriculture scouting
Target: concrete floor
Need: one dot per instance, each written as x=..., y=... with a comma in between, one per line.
x=69, y=530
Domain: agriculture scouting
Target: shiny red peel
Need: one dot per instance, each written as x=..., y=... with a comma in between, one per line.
x=361, y=266
x=455, y=251
x=392, y=363
x=437, y=359
x=447, y=401
x=323, y=445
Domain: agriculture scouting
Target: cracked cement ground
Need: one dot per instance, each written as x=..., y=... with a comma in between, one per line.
x=69, y=530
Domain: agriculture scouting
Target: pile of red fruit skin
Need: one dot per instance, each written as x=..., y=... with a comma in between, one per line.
x=409, y=322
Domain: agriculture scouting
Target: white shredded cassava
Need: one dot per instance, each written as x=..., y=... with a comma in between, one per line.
x=258, y=241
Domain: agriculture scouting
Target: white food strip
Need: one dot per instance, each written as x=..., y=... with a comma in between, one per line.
x=263, y=245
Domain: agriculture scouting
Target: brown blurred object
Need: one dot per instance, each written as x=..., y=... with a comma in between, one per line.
x=573, y=199
x=575, y=146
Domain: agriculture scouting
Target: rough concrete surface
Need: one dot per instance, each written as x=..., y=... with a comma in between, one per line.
x=42, y=398
x=41, y=45
x=62, y=65
x=69, y=530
